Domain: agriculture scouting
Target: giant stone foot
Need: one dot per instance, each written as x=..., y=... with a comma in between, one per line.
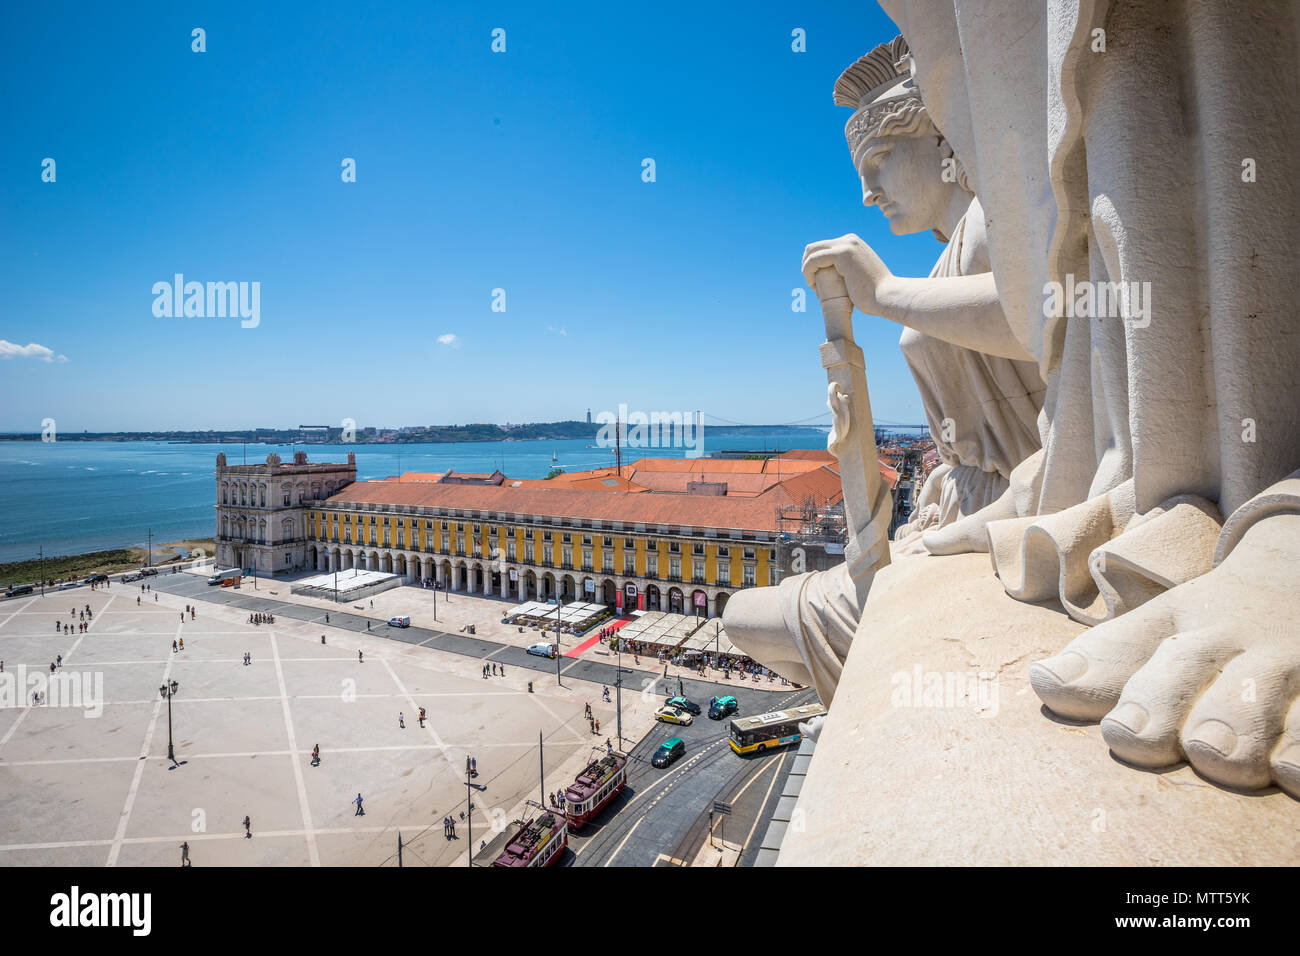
x=1208, y=672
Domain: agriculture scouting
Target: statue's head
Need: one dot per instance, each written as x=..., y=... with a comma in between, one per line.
x=906, y=166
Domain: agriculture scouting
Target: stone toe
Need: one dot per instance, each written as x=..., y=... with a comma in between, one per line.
x=1152, y=711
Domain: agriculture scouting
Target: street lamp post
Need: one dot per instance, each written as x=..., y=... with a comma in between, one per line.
x=41, y=552
x=168, y=691
x=618, y=690
x=470, y=787
x=558, y=679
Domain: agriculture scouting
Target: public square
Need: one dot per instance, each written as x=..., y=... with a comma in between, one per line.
x=80, y=789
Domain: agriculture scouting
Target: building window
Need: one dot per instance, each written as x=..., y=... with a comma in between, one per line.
x=568, y=556
x=586, y=559
x=528, y=554
x=264, y=496
x=547, y=554
x=748, y=577
x=510, y=551
x=724, y=552
x=629, y=564
x=674, y=547
x=652, y=565
x=699, y=572
x=674, y=569
x=629, y=543
x=608, y=542
x=749, y=554
x=697, y=549
x=286, y=504
x=609, y=563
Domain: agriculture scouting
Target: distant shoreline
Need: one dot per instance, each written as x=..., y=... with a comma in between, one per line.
x=422, y=438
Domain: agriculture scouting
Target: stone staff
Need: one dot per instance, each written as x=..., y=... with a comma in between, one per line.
x=868, y=504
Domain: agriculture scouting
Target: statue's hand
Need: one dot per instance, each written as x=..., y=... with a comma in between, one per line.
x=857, y=262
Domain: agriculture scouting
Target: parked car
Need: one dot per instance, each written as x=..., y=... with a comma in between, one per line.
x=69, y=585
x=723, y=706
x=672, y=715
x=131, y=576
x=399, y=622
x=222, y=575
x=541, y=650
x=668, y=751
x=18, y=589
x=681, y=703
x=147, y=572
x=96, y=578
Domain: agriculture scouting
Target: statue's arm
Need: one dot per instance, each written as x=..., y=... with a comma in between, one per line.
x=963, y=310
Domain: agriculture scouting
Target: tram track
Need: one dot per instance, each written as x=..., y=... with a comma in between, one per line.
x=654, y=786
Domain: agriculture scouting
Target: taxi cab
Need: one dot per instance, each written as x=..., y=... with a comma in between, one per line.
x=721, y=707
x=668, y=751
x=673, y=715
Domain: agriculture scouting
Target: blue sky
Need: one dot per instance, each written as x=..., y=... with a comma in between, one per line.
x=475, y=171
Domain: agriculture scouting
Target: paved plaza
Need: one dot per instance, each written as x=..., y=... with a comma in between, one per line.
x=85, y=780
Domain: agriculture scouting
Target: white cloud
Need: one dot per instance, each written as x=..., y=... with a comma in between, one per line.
x=553, y=329
x=9, y=350
x=448, y=339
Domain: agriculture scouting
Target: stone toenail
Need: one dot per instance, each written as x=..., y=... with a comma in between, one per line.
x=1290, y=757
x=1216, y=735
x=1065, y=667
x=1132, y=717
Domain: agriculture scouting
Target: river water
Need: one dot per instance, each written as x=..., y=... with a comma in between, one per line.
x=71, y=497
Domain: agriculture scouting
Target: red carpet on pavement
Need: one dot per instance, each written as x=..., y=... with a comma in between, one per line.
x=596, y=637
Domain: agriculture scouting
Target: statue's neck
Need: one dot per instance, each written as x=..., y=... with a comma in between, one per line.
x=950, y=214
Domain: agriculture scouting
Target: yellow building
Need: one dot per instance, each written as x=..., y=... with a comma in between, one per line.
x=664, y=534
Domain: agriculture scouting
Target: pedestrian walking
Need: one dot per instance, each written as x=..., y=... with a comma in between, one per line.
x=182, y=643
x=315, y=756
x=360, y=810
x=248, y=828
x=185, y=853
x=598, y=726
x=473, y=767
x=446, y=828
x=421, y=718
x=361, y=659
x=59, y=660
x=401, y=721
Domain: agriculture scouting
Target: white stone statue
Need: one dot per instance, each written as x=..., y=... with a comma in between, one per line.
x=981, y=391
x=1133, y=164
x=1124, y=143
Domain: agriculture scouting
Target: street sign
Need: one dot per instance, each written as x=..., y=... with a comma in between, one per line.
x=719, y=807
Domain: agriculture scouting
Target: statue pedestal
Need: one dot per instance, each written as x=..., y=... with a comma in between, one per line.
x=908, y=772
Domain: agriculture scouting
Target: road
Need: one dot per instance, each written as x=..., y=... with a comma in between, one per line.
x=662, y=816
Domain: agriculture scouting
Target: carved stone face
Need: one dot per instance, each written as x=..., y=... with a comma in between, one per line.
x=902, y=175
